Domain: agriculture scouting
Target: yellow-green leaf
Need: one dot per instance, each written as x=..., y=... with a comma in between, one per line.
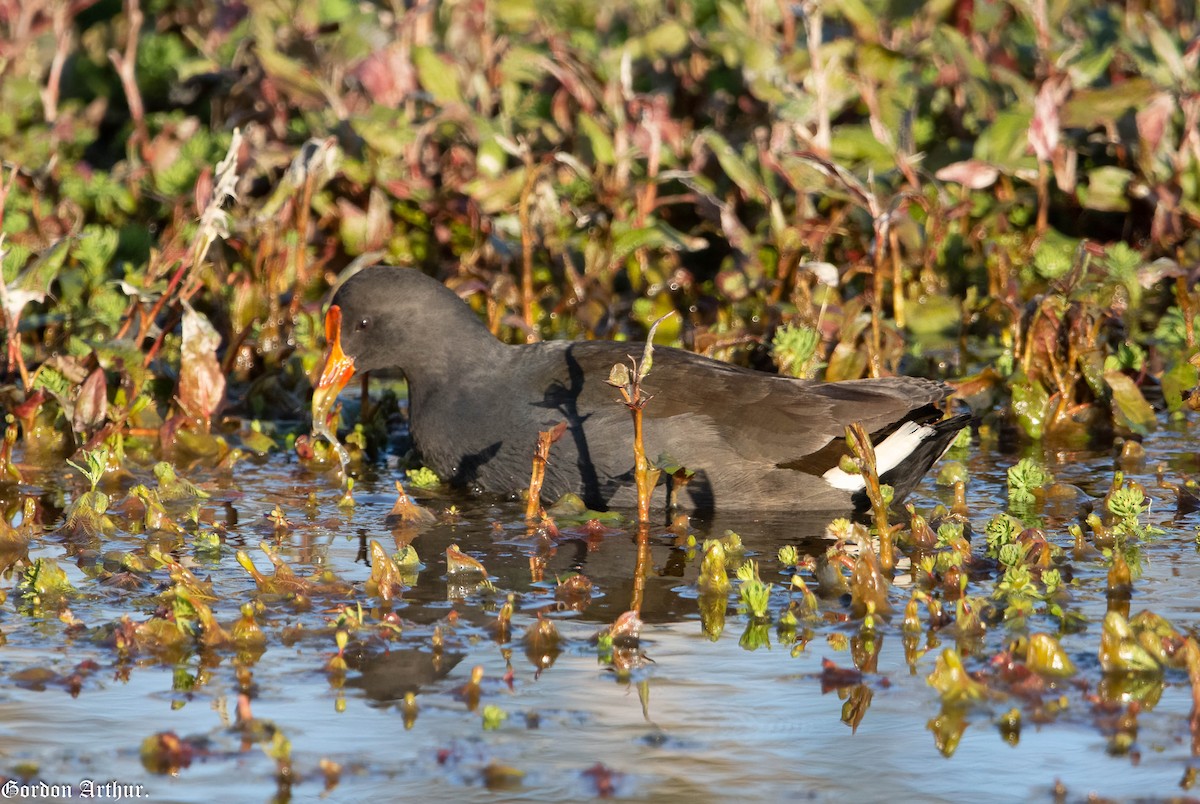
x=437, y=77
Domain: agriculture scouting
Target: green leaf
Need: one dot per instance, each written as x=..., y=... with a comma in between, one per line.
x=1176, y=381
x=1107, y=189
x=385, y=130
x=1090, y=108
x=864, y=20
x=1006, y=140
x=656, y=236
x=857, y=144
x=601, y=142
x=665, y=41
x=291, y=74
x=95, y=249
x=1166, y=48
x=734, y=166
x=1090, y=67
x=437, y=76
x=1030, y=403
x=1130, y=408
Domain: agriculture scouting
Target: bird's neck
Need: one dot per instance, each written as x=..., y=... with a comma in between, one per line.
x=458, y=347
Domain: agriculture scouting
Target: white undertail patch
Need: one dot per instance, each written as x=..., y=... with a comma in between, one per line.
x=889, y=453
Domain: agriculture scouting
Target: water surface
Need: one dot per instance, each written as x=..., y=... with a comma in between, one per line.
x=699, y=720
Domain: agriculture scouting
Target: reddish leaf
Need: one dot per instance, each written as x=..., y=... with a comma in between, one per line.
x=91, y=406
x=201, y=383
x=1044, y=130
x=388, y=75
x=834, y=677
x=1153, y=119
x=604, y=779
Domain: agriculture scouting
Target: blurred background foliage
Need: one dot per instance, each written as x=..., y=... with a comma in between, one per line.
x=1001, y=192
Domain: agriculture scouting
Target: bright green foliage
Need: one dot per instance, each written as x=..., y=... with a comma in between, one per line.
x=755, y=595
x=1001, y=531
x=97, y=465
x=789, y=556
x=1024, y=479
x=423, y=478
x=795, y=348
x=493, y=717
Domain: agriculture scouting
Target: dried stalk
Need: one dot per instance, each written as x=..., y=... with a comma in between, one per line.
x=630, y=386
x=864, y=456
x=126, y=65
x=533, y=173
x=62, y=46
x=541, y=457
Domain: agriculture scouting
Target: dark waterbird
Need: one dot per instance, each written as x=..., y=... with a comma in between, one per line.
x=753, y=440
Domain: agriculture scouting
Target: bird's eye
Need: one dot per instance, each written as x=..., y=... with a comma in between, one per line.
x=363, y=323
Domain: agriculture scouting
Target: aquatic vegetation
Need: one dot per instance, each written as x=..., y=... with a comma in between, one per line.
x=1044, y=655
x=788, y=556
x=808, y=601
x=173, y=487
x=287, y=583
x=574, y=591
x=459, y=563
x=880, y=494
x=1010, y=205
x=43, y=585
x=542, y=643
x=423, y=478
x=714, y=577
x=407, y=511
x=246, y=633
x=386, y=581
x=953, y=683
x=1127, y=503
x=493, y=717
x=156, y=517
x=868, y=585
x=754, y=594
x=166, y=753
x=1025, y=479
x=15, y=539
x=541, y=457
x=1120, y=650
x=629, y=384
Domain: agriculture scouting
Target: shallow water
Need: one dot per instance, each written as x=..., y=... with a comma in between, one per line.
x=703, y=719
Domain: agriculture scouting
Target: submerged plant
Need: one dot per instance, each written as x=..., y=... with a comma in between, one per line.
x=1025, y=479
x=1120, y=651
x=173, y=487
x=1127, y=503
x=953, y=683
x=714, y=577
x=460, y=564
x=1045, y=656
x=408, y=511
x=880, y=495
x=1002, y=531
x=43, y=585
x=386, y=581
x=869, y=586
x=493, y=717
x=423, y=478
x=755, y=595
